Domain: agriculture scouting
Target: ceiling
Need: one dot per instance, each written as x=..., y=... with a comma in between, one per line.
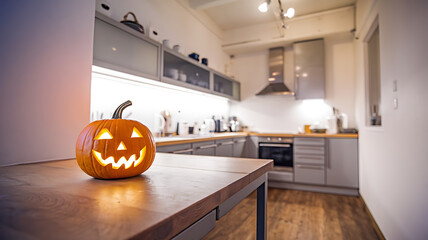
x=231, y=14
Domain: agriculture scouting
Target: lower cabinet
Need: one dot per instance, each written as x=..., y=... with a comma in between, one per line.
x=224, y=147
x=309, y=160
x=205, y=148
x=307, y=173
x=177, y=149
x=251, y=148
x=342, y=162
x=238, y=146
x=230, y=147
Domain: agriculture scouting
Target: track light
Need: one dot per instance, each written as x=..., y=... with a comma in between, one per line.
x=263, y=7
x=290, y=13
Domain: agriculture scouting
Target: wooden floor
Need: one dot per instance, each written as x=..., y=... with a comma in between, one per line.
x=296, y=214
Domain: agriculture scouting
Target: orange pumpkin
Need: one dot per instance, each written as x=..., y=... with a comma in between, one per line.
x=115, y=148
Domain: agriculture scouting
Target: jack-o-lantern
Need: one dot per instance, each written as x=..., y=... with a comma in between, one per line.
x=115, y=148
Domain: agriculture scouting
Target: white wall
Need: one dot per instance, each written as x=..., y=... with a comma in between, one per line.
x=394, y=157
x=45, y=61
x=176, y=23
x=284, y=113
x=110, y=89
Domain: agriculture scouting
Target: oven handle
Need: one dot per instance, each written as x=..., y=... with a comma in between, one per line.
x=274, y=145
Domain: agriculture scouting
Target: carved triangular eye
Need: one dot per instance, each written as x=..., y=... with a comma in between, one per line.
x=136, y=133
x=104, y=134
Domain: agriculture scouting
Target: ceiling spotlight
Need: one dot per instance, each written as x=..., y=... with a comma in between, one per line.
x=290, y=13
x=264, y=6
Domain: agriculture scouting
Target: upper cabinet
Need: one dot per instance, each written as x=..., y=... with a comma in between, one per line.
x=309, y=69
x=183, y=71
x=227, y=87
x=121, y=48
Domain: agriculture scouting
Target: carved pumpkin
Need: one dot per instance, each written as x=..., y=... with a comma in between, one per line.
x=115, y=148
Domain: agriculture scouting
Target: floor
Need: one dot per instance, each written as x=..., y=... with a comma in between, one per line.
x=296, y=214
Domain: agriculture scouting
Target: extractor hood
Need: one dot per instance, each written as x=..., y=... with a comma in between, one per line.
x=276, y=83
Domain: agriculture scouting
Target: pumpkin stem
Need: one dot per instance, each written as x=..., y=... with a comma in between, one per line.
x=118, y=112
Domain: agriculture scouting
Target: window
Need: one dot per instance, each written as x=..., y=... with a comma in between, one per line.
x=373, y=77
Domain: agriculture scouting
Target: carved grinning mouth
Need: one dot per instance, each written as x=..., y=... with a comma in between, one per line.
x=122, y=160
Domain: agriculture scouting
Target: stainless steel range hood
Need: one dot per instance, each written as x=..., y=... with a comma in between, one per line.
x=276, y=83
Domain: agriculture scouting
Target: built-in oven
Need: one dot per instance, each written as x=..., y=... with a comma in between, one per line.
x=279, y=149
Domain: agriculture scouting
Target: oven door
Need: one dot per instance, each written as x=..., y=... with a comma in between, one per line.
x=281, y=153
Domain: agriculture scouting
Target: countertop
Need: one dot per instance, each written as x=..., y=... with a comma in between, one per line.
x=164, y=141
x=56, y=199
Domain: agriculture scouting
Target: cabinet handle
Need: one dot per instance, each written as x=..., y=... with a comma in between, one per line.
x=327, y=154
x=226, y=143
x=273, y=145
x=309, y=157
x=183, y=151
x=240, y=141
x=310, y=167
x=207, y=146
x=310, y=148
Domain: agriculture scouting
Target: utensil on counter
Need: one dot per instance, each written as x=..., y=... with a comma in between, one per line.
x=210, y=125
x=234, y=124
x=159, y=125
x=183, y=128
x=132, y=24
x=319, y=130
x=168, y=130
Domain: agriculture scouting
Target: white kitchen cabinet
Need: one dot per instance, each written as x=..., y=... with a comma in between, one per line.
x=176, y=149
x=342, y=162
x=309, y=69
x=121, y=48
x=224, y=147
x=238, y=146
x=205, y=148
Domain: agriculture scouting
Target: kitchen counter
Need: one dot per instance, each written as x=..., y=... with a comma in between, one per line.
x=322, y=135
x=164, y=141
x=180, y=195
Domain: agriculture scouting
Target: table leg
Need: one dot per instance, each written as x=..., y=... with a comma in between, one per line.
x=261, y=211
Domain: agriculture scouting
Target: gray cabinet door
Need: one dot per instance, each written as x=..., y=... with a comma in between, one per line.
x=251, y=148
x=309, y=69
x=224, y=147
x=124, y=51
x=205, y=148
x=238, y=147
x=309, y=173
x=177, y=149
x=342, y=162
x=225, y=86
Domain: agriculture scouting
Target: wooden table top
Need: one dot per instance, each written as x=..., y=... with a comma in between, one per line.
x=56, y=200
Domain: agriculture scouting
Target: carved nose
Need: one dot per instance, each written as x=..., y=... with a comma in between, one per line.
x=121, y=146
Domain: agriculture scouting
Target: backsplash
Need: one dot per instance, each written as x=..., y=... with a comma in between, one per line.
x=109, y=89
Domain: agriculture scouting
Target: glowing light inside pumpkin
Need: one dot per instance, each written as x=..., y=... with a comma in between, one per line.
x=104, y=134
x=122, y=160
x=136, y=133
x=121, y=146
